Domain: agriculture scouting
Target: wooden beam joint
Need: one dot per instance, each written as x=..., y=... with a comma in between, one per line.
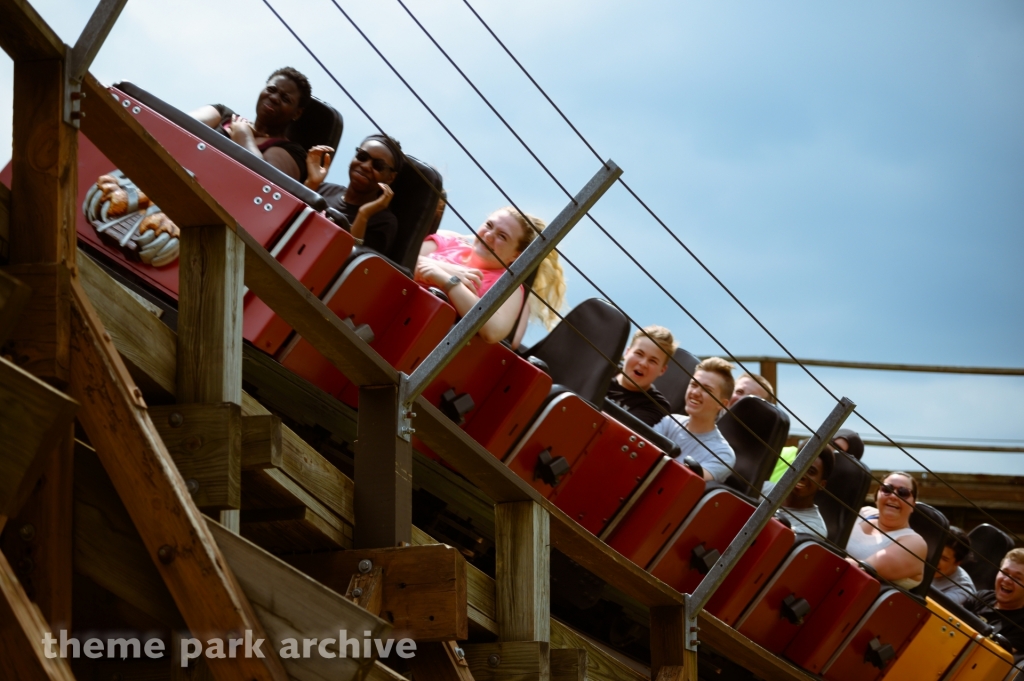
x=509, y=661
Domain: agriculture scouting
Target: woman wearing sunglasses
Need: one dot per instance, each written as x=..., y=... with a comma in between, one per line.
x=365, y=200
x=465, y=267
x=883, y=538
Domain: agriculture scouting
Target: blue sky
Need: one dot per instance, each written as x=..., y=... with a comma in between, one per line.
x=855, y=173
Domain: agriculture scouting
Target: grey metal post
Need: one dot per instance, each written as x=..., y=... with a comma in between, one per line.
x=513, y=277
x=79, y=58
x=696, y=601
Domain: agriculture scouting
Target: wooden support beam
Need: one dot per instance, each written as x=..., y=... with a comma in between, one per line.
x=770, y=372
x=523, y=572
x=568, y=664
x=668, y=651
x=24, y=35
x=205, y=441
x=115, y=418
x=38, y=343
x=33, y=419
x=5, y=228
x=292, y=605
x=295, y=528
x=424, y=589
x=509, y=661
x=440, y=662
x=383, y=472
x=14, y=296
x=22, y=629
x=367, y=589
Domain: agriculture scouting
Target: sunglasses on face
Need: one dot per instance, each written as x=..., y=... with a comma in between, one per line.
x=363, y=156
x=902, y=492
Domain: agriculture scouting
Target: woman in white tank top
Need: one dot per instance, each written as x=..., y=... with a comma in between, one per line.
x=872, y=540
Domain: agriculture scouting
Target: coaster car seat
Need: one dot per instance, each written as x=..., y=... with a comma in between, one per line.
x=417, y=190
x=570, y=354
x=756, y=430
x=674, y=382
x=320, y=123
x=933, y=526
x=989, y=545
x=843, y=497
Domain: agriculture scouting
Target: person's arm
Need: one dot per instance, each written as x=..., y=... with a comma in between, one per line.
x=207, y=115
x=242, y=134
x=896, y=562
x=318, y=162
x=463, y=299
x=368, y=210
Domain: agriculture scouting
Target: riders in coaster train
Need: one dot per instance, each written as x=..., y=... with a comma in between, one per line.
x=280, y=102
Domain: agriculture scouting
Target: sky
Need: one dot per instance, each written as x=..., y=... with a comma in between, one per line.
x=854, y=173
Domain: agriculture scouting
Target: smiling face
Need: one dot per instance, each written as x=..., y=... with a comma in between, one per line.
x=643, y=362
x=807, y=486
x=362, y=176
x=278, y=103
x=892, y=508
x=698, y=401
x=1009, y=592
x=745, y=385
x=502, y=233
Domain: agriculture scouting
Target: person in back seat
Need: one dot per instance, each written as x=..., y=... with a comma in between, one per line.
x=1003, y=606
x=281, y=101
x=752, y=384
x=365, y=200
x=697, y=432
x=465, y=267
x=799, y=506
x=644, y=362
x=950, y=578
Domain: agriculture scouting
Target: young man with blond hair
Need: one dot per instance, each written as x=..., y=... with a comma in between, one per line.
x=696, y=431
x=1003, y=606
x=645, y=360
x=752, y=384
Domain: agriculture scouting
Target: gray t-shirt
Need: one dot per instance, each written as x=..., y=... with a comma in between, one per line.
x=951, y=586
x=807, y=520
x=717, y=464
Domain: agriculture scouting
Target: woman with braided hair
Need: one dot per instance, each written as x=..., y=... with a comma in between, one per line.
x=465, y=267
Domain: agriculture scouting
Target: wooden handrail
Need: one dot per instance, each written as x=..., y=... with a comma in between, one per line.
x=882, y=366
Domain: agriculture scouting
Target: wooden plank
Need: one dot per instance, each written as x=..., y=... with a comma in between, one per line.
x=439, y=662
x=107, y=547
x=114, y=416
x=271, y=488
x=380, y=672
x=14, y=296
x=668, y=650
x=24, y=34
x=383, y=472
x=261, y=440
x=22, y=629
x=367, y=589
x=205, y=441
x=987, y=491
x=149, y=349
x=602, y=664
x=5, y=226
x=725, y=640
x=133, y=150
x=282, y=530
x=210, y=316
x=502, y=485
x=300, y=462
x=38, y=343
x=568, y=664
x=33, y=418
x=44, y=167
x=424, y=594
x=507, y=661
x=311, y=319
x=523, y=571
x=291, y=605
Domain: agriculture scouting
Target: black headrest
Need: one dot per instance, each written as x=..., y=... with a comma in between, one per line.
x=846, y=489
x=756, y=430
x=414, y=205
x=225, y=145
x=989, y=545
x=320, y=123
x=930, y=523
x=574, y=362
x=674, y=381
x=671, y=449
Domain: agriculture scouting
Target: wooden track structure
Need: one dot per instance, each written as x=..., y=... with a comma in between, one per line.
x=125, y=509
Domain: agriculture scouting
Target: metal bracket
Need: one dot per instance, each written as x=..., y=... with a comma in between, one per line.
x=691, y=636
x=79, y=58
x=405, y=412
x=696, y=601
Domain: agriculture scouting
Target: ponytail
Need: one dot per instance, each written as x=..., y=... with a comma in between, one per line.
x=549, y=284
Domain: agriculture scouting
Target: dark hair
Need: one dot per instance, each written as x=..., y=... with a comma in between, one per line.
x=913, y=482
x=301, y=82
x=828, y=462
x=393, y=146
x=854, y=445
x=958, y=540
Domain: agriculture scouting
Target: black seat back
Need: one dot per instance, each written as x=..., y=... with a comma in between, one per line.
x=320, y=123
x=572, y=361
x=674, y=381
x=846, y=489
x=756, y=430
x=930, y=523
x=226, y=146
x=415, y=205
x=989, y=545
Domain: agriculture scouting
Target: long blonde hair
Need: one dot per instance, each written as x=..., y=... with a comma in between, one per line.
x=549, y=284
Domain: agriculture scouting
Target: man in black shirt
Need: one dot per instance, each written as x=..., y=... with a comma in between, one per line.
x=1003, y=607
x=645, y=360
